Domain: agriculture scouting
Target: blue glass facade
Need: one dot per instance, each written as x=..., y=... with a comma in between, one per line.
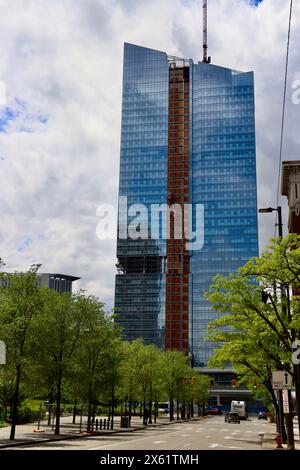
x=222, y=177
x=140, y=289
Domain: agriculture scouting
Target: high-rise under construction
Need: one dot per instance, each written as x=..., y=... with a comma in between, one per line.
x=188, y=185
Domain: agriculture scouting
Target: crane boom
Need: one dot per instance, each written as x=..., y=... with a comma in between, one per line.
x=206, y=59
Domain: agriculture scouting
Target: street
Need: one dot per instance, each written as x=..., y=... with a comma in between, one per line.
x=211, y=433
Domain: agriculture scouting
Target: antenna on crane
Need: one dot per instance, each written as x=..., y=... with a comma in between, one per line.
x=206, y=59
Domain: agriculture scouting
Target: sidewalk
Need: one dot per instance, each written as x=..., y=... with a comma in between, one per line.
x=30, y=434
x=268, y=439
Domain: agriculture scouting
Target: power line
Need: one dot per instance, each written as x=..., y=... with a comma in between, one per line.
x=283, y=107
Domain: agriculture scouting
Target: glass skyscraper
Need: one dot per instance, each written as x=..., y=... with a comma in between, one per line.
x=187, y=138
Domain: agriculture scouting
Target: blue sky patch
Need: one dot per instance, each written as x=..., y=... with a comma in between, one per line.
x=24, y=117
x=8, y=114
x=25, y=243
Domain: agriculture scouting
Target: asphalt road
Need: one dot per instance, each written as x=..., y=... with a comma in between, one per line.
x=211, y=433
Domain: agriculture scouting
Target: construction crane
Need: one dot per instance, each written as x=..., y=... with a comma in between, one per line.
x=206, y=59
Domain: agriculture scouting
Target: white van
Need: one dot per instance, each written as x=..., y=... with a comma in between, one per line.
x=240, y=408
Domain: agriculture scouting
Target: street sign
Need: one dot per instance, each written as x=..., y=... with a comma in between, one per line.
x=282, y=380
x=285, y=401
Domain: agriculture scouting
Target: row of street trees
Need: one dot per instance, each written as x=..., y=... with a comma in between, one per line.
x=65, y=347
x=259, y=329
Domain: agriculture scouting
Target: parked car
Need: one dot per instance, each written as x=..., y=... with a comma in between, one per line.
x=262, y=415
x=232, y=418
x=214, y=411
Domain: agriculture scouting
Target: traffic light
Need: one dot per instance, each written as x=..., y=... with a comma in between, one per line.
x=233, y=383
x=193, y=381
x=211, y=383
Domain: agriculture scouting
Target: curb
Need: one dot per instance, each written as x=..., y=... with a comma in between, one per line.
x=269, y=442
x=93, y=434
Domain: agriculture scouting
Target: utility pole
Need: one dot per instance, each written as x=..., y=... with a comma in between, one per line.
x=281, y=428
x=280, y=232
x=288, y=416
x=282, y=415
x=279, y=224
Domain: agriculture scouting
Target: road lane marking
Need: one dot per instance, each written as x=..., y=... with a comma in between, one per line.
x=131, y=440
x=215, y=445
x=186, y=445
x=159, y=442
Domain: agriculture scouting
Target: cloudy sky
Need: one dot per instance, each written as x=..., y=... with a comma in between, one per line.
x=61, y=63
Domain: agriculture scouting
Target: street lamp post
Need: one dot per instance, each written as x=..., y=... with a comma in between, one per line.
x=280, y=396
x=288, y=416
x=279, y=224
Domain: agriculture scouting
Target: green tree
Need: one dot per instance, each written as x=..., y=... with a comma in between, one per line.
x=261, y=324
x=147, y=376
x=20, y=304
x=130, y=391
x=175, y=370
x=92, y=361
x=111, y=371
x=58, y=334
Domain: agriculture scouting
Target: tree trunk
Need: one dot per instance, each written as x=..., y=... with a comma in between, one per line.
x=14, y=414
x=150, y=412
x=130, y=409
x=112, y=405
x=58, y=402
x=74, y=413
x=94, y=414
x=50, y=410
x=89, y=417
x=171, y=408
x=289, y=425
x=297, y=389
x=150, y=406
x=144, y=411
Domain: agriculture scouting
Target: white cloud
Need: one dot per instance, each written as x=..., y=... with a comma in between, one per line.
x=63, y=60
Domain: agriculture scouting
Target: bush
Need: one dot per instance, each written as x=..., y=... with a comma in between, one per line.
x=28, y=415
x=67, y=408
